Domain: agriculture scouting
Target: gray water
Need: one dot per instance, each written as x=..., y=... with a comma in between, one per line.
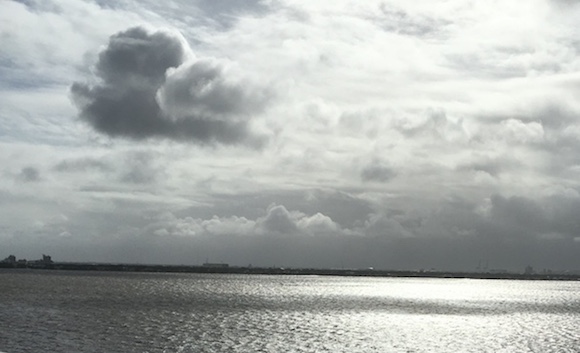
x=59, y=311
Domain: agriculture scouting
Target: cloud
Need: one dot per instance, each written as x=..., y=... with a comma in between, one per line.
x=81, y=165
x=493, y=166
x=140, y=168
x=29, y=174
x=277, y=221
x=384, y=226
x=150, y=86
x=409, y=133
x=280, y=221
x=523, y=132
x=204, y=90
x=400, y=21
x=225, y=12
x=377, y=172
x=520, y=218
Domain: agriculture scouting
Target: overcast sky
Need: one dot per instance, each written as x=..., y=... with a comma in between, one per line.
x=393, y=134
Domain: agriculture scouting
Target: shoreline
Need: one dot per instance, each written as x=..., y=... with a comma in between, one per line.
x=293, y=271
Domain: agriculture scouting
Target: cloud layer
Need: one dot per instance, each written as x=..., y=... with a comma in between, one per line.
x=387, y=133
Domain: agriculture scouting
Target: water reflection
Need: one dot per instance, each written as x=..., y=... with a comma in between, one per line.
x=136, y=312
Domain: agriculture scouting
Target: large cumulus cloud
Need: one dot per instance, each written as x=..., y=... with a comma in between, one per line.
x=150, y=85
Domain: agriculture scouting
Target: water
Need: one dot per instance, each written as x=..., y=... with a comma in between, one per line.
x=59, y=311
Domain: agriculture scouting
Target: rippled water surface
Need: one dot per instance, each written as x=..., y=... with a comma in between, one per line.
x=58, y=311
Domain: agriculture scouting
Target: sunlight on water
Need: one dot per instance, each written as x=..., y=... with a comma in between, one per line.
x=129, y=312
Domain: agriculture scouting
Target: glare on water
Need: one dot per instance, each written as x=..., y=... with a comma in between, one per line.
x=131, y=312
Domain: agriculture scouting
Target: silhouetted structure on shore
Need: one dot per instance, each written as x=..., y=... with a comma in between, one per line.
x=12, y=262
x=216, y=265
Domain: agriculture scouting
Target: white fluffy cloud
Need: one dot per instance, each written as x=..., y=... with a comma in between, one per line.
x=277, y=221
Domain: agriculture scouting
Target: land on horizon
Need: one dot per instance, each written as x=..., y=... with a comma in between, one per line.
x=222, y=268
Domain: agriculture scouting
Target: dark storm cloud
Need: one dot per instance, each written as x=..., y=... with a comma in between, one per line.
x=133, y=69
x=520, y=218
x=502, y=220
x=204, y=90
x=140, y=59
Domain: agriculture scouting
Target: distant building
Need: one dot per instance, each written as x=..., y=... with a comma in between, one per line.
x=11, y=259
x=216, y=265
x=46, y=261
x=8, y=262
x=498, y=271
x=529, y=270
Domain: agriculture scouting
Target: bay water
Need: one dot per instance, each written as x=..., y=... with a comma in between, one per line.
x=76, y=311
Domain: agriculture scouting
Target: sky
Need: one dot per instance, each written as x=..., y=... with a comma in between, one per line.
x=337, y=134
